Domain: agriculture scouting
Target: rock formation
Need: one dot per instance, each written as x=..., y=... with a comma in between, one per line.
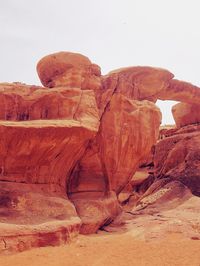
x=164, y=200
x=44, y=134
x=177, y=157
x=186, y=114
x=68, y=149
x=69, y=70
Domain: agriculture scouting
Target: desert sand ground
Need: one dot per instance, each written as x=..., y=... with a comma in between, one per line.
x=112, y=249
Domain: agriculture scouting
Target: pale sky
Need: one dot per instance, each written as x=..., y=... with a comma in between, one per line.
x=112, y=33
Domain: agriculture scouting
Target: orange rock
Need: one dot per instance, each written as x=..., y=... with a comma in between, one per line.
x=39, y=152
x=180, y=91
x=35, y=215
x=167, y=208
x=128, y=130
x=185, y=114
x=177, y=157
x=136, y=83
x=23, y=102
x=47, y=156
x=69, y=70
x=44, y=133
x=95, y=209
x=60, y=122
x=77, y=145
x=147, y=83
x=142, y=83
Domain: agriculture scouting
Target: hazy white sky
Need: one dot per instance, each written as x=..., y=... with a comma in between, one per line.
x=112, y=33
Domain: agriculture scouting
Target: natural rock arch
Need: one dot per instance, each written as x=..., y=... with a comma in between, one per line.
x=93, y=128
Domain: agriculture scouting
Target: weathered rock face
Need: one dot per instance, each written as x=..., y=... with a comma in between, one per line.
x=95, y=209
x=121, y=129
x=180, y=91
x=167, y=208
x=35, y=215
x=54, y=148
x=43, y=135
x=140, y=83
x=112, y=158
x=75, y=144
x=177, y=157
x=121, y=144
x=53, y=141
x=147, y=83
x=186, y=114
x=22, y=102
x=136, y=83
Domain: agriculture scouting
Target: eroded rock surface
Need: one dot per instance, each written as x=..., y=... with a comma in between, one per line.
x=43, y=135
x=186, y=114
x=167, y=208
x=68, y=149
x=177, y=157
x=34, y=215
x=70, y=70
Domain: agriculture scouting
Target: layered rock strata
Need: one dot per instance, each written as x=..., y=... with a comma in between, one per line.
x=43, y=135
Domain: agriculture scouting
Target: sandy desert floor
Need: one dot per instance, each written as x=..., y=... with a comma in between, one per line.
x=112, y=249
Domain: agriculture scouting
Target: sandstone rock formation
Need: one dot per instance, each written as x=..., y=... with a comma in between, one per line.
x=43, y=135
x=177, y=158
x=120, y=128
x=69, y=70
x=35, y=215
x=180, y=91
x=186, y=114
x=68, y=149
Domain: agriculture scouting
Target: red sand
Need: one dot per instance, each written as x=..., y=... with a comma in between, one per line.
x=112, y=250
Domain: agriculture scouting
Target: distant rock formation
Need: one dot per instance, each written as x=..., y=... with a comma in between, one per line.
x=178, y=157
x=68, y=149
x=186, y=114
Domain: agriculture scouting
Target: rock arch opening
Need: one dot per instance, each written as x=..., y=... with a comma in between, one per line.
x=166, y=110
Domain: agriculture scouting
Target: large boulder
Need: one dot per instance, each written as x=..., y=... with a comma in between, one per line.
x=70, y=70
x=186, y=114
